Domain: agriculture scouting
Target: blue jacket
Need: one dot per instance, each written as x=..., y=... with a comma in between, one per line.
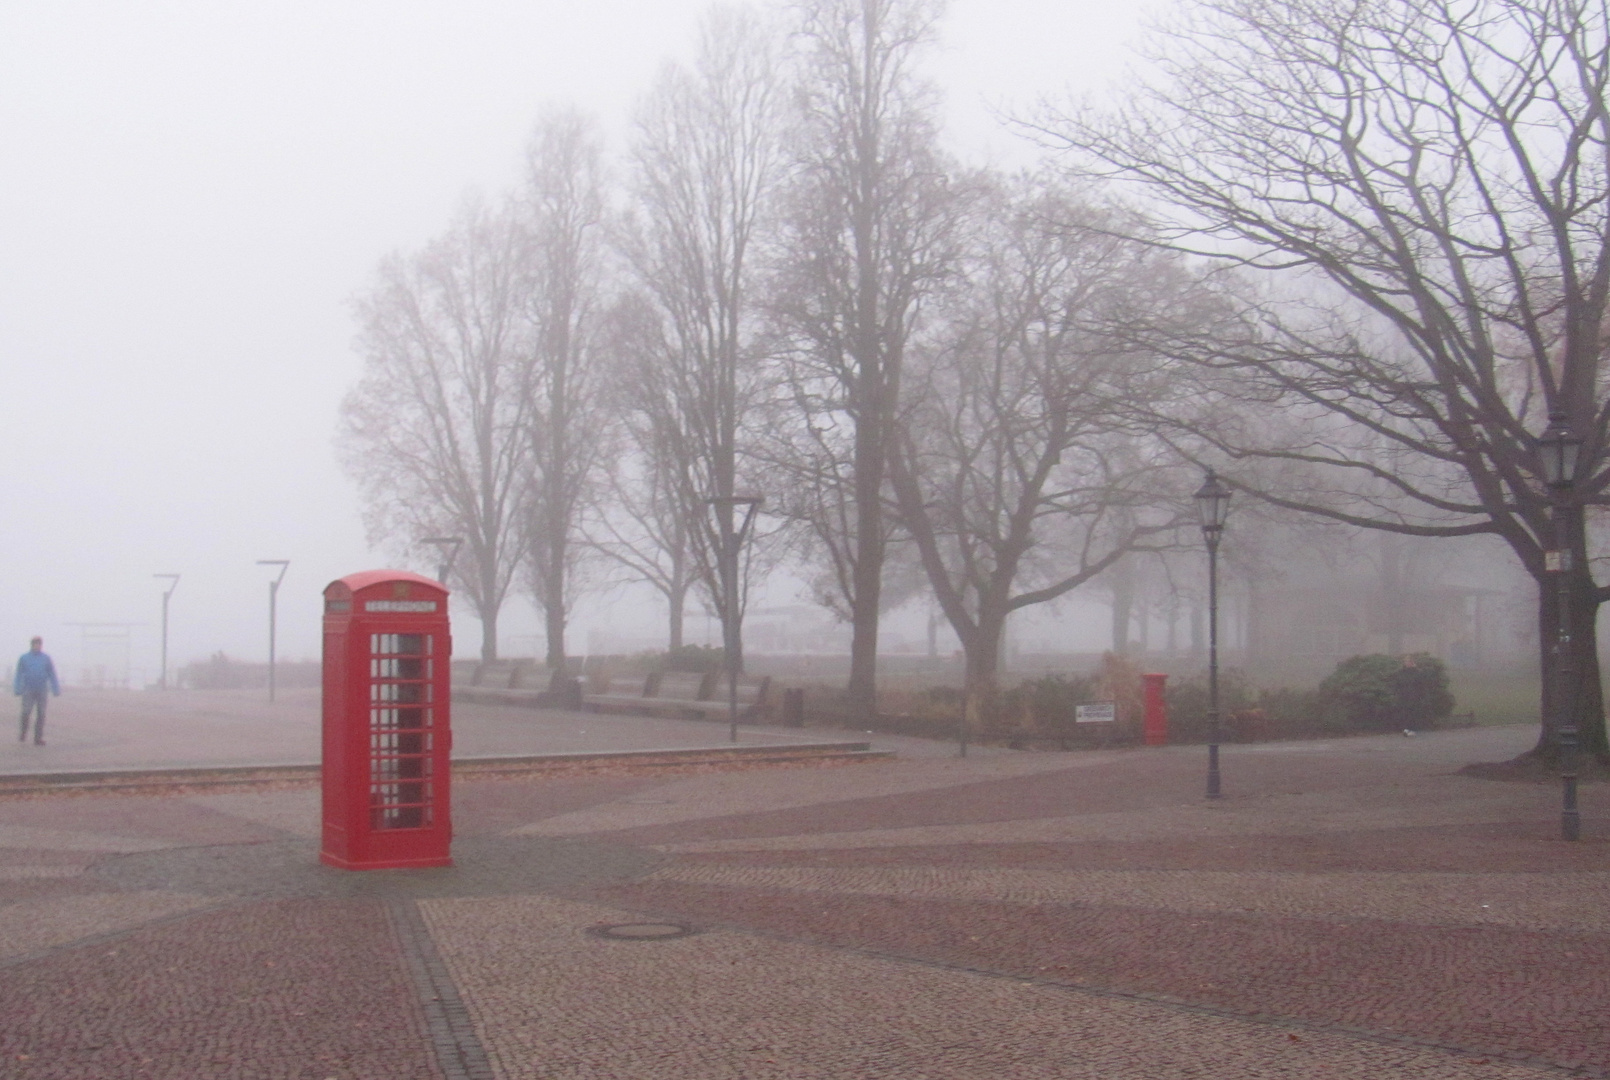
x=34, y=673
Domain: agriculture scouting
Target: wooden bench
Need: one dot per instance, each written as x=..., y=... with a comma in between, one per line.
x=502, y=682
x=619, y=691
x=685, y=694
x=753, y=698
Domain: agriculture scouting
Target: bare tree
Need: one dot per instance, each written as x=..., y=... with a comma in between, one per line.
x=649, y=511
x=1443, y=168
x=435, y=431
x=1014, y=478
x=564, y=208
x=706, y=158
x=869, y=232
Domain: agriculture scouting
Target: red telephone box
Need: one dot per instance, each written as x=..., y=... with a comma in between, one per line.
x=387, y=656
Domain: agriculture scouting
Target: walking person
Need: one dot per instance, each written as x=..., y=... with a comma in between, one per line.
x=35, y=674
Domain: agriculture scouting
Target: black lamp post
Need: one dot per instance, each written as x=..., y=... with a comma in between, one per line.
x=1560, y=450
x=732, y=540
x=1212, y=505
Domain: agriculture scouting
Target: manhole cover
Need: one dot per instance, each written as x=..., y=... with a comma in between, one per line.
x=641, y=931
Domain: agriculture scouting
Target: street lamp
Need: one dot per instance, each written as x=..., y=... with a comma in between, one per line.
x=732, y=541
x=273, y=604
x=173, y=580
x=1212, y=506
x=1560, y=450
x=446, y=551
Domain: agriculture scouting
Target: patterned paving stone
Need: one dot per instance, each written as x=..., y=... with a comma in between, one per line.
x=553, y=1002
x=48, y=839
x=1539, y=901
x=37, y=924
x=1487, y=989
x=493, y=806
x=294, y=990
x=154, y=818
x=1499, y=847
x=727, y=795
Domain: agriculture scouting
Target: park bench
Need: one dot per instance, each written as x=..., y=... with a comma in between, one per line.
x=622, y=692
x=686, y=694
x=503, y=682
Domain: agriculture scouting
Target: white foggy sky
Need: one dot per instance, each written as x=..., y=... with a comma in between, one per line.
x=190, y=193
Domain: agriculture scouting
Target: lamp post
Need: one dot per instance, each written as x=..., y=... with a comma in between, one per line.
x=173, y=580
x=447, y=551
x=1212, y=505
x=732, y=540
x=1560, y=450
x=273, y=604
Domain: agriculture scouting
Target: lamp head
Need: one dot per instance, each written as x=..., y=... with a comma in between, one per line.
x=1559, y=450
x=1212, y=506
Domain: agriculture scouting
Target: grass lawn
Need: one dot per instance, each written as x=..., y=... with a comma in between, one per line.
x=1498, y=695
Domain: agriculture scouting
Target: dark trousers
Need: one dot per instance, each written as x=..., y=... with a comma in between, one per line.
x=33, y=701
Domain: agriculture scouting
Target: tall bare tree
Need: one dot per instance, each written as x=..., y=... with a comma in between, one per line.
x=706, y=159
x=869, y=234
x=648, y=511
x=1015, y=478
x=564, y=214
x=1427, y=185
x=435, y=432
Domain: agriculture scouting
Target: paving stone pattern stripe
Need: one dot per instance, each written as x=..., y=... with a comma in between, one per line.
x=1518, y=995
x=459, y=1053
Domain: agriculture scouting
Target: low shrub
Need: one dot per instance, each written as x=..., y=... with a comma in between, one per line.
x=1386, y=693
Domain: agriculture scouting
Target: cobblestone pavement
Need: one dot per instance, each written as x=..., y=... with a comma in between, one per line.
x=1351, y=909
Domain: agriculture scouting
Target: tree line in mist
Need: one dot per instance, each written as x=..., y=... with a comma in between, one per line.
x=1349, y=253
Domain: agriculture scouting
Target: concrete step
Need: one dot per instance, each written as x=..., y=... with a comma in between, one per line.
x=464, y=768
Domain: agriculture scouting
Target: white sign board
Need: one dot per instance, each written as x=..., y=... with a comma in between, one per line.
x=1097, y=712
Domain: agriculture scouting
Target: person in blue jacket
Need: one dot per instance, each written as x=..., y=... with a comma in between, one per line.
x=35, y=674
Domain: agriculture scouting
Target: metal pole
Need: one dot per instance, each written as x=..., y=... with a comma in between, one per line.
x=447, y=551
x=173, y=579
x=163, y=680
x=1565, y=674
x=273, y=605
x=1213, y=666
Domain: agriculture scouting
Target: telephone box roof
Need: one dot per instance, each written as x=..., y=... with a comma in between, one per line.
x=363, y=579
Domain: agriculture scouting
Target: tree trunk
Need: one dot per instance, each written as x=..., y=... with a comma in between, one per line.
x=1582, y=690
x=553, y=610
x=489, y=635
x=869, y=551
x=981, y=685
x=677, y=599
x=1123, y=602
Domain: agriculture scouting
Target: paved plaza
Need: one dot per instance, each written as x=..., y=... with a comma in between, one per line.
x=1352, y=908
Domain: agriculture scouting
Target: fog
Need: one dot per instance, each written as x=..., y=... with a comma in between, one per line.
x=191, y=194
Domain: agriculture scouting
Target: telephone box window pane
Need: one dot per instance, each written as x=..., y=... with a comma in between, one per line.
x=399, y=742
x=400, y=804
x=403, y=719
x=399, y=667
x=400, y=644
x=402, y=693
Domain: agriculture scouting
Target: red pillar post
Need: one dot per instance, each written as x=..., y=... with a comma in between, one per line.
x=1156, y=728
